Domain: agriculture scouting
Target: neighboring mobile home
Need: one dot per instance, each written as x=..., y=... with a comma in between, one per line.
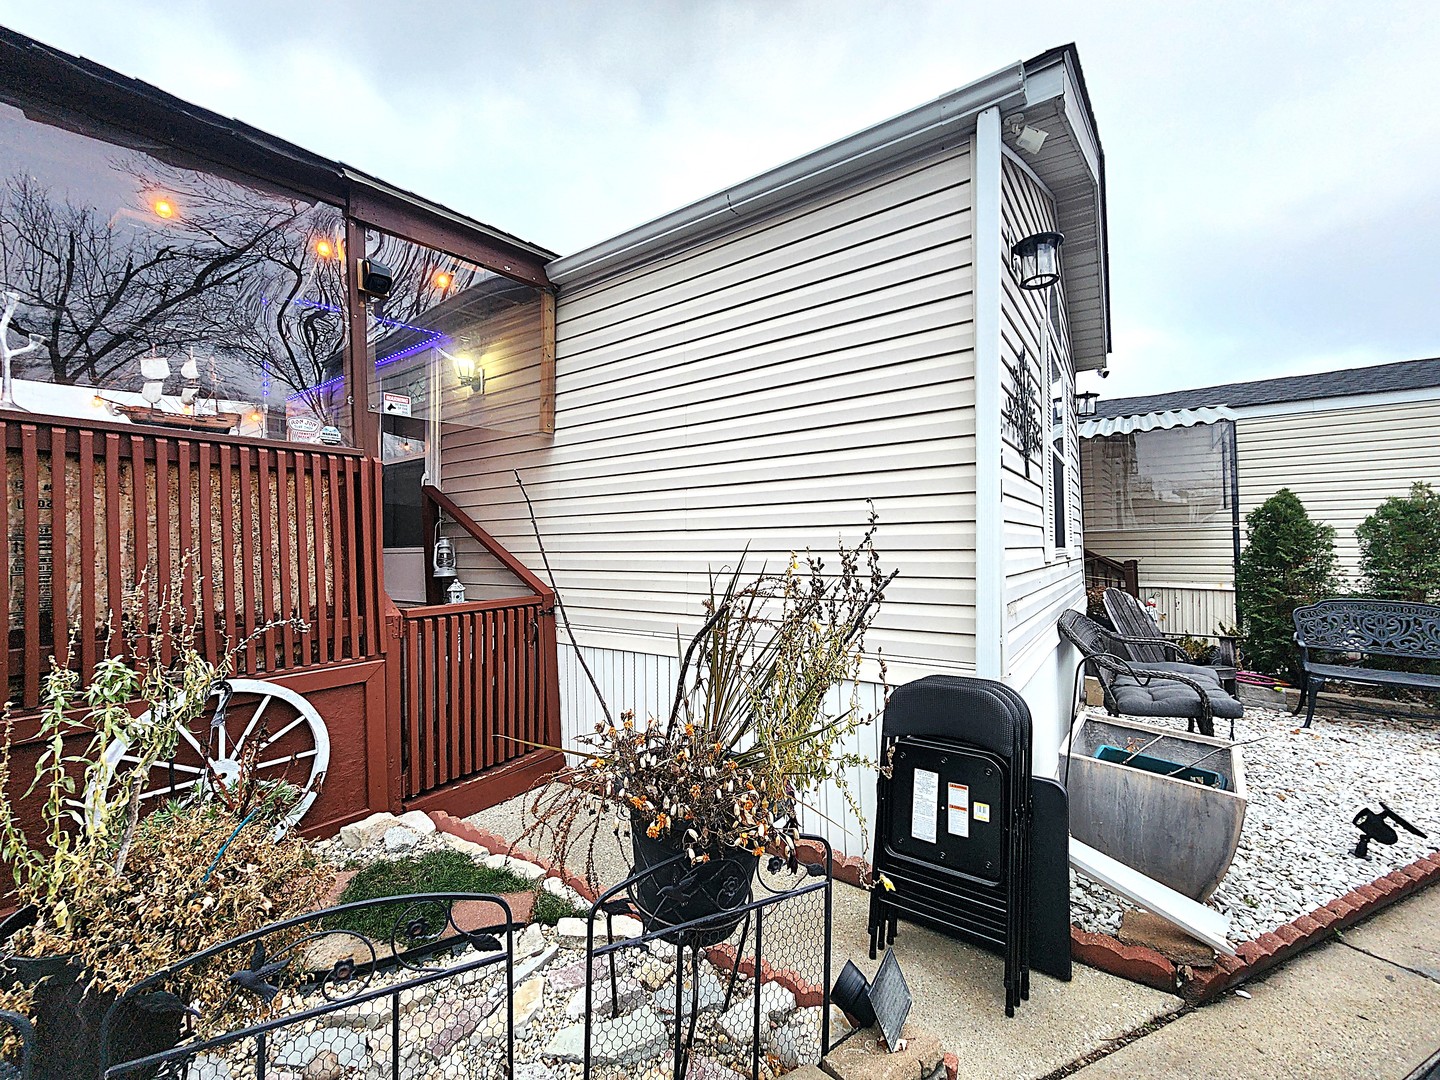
x=750, y=369
x=1157, y=472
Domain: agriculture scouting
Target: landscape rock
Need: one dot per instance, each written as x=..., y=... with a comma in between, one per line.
x=652, y=973
x=466, y=847
x=399, y=838
x=519, y=867
x=209, y=1067
x=628, y=995
x=348, y=1048
x=797, y=1042
x=624, y=1041
x=709, y=995
x=776, y=1002
x=370, y=830
x=530, y=942
x=418, y=820
x=529, y=997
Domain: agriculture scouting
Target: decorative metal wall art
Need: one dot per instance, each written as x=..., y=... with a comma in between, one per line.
x=1024, y=419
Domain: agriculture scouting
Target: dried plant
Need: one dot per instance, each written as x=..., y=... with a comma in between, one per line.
x=752, y=730
x=125, y=894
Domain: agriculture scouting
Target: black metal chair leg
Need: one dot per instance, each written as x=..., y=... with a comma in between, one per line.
x=1315, y=685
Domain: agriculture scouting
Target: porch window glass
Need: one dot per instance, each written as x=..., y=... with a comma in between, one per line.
x=1153, y=479
x=452, y=344
x=145, y=287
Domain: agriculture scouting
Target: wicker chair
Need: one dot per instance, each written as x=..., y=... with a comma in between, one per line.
x=1146, y=642
x=1148, y=688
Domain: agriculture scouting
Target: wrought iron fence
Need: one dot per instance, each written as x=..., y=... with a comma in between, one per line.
x=731, y=972
x=417, y=986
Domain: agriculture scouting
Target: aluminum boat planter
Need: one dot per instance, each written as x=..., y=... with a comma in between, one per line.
x=1182, y=834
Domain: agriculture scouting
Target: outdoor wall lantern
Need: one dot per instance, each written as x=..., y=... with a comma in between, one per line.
x=375, y=279
x=444, y=555
x=1037, y=260
x=1085, y=404
x=468, y=372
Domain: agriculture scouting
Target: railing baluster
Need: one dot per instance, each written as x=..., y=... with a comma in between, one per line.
x=89, y=555
x=140, y=512
x=317, y=517
x=337, y=564
x=59, y=547
x=246, y=525
x=284, y=521
x=351, y=471
x=207, y=553
x=267, y=562
x=30, y=524
x=162, y=543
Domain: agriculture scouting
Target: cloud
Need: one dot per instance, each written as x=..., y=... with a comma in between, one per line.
x=1272, y=168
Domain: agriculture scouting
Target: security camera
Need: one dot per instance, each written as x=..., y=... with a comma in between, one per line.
x=375, y=279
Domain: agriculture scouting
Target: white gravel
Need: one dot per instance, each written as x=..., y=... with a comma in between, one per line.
x=1305, y=787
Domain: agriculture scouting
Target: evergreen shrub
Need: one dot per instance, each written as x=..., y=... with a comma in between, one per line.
x=1288, y=561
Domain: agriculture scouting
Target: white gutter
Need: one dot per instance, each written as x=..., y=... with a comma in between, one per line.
x=949, y=117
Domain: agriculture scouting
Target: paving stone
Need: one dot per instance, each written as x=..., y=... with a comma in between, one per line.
x=370, y=830
x=865, y=1056
x=1151, y=931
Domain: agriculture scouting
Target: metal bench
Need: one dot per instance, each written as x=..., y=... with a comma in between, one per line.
x=1135, y=688
x=1364, y=628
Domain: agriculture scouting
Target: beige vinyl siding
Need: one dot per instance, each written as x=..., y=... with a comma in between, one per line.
x=1342, y=463
x=756, y=390
x=1039, y=582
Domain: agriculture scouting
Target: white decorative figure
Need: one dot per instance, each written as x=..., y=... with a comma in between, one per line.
x=7, y=354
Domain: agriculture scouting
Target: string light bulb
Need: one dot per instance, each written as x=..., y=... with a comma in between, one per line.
x=443, y=279
x=324, y=248
x=163, y=208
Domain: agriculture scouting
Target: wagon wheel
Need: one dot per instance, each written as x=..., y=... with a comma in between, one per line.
x=293, y=747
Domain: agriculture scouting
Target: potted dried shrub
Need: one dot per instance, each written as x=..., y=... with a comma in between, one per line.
x=108, y=895
x=753, y=729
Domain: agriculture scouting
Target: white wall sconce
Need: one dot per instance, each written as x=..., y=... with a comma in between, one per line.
x=1036, y=260
x=1085, y=404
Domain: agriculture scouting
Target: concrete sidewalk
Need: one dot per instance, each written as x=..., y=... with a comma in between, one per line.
x=1364, y=1005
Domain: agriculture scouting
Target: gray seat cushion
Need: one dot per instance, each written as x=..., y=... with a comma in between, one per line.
x=1162, y=697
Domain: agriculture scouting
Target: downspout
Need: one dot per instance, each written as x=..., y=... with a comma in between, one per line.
x=1235, y=514
x=989, y=517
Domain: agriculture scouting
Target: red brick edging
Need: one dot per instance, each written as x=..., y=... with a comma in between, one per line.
x=1137, y=963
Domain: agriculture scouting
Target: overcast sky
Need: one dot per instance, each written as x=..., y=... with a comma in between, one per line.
x=1274, y=169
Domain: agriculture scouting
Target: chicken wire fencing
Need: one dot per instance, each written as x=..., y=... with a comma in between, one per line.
x=729, y=978
x=404, y=987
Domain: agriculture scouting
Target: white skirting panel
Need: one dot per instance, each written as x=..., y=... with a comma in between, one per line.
x=646, y=684
x=1190, y=610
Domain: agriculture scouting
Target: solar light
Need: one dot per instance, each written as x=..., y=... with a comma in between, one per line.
x=1037, y=260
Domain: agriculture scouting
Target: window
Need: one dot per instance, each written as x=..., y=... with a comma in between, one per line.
x=152, y=291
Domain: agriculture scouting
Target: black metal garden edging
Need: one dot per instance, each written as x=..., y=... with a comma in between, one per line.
x=775, y=933
x=377, y=1005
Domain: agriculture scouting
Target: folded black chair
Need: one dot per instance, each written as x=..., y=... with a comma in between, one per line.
x=1162, y=688
x=955, y=816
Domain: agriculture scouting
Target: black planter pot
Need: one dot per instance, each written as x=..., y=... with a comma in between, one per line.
x=681, y=893
x=69, y=1016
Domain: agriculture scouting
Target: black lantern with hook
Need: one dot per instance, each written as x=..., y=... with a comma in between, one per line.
x=1037, y=260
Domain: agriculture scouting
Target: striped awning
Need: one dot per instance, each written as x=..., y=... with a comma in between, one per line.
x=1100, y=426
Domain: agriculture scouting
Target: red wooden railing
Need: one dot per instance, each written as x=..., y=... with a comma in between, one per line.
x=479, y=682
x=275, y=531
